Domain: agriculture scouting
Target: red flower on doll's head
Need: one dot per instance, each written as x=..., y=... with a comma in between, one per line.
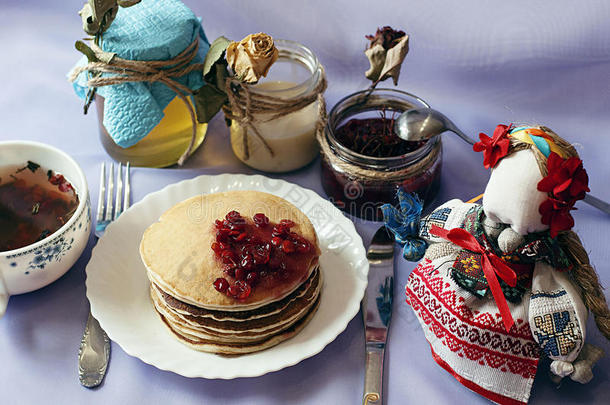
x=494, y=148
x=567, y=179
x=556, y=214
x=566, y=183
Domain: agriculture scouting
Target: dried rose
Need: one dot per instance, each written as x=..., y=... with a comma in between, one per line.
x=386, y=37
x=386, y=52
x=251, y=58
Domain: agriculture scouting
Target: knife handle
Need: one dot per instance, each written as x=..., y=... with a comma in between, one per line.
x=373, y=376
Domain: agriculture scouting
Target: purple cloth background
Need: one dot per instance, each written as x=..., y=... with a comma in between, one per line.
x=481, y=63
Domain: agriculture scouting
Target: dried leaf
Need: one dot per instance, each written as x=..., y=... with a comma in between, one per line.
x=393, y=61
x=127, y=3
x=377, y=56
x=208, y=101
x=215, y=54
x=33, y=166
x=93, y=56
x=84, y=49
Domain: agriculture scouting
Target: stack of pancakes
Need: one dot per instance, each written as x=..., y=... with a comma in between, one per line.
x=182, y=268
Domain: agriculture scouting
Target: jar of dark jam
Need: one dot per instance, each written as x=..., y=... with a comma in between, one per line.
x=358, y=179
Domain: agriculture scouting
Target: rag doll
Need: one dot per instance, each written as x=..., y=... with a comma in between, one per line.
x=503, y=283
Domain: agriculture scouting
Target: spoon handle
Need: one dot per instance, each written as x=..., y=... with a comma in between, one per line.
x=597, y=203
x=462, y=135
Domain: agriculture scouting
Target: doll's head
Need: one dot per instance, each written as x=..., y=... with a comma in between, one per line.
x=536, y=178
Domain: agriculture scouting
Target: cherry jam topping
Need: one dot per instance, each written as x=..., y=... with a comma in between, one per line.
x=374, y=137
x=257, y=253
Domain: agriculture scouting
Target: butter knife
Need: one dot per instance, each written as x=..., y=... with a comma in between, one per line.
x=377, y=312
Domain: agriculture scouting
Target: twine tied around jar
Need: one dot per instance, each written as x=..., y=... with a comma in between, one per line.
x=163, y=71
x=246, y=103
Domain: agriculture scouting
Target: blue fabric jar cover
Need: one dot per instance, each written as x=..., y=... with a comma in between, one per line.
x=150, y=30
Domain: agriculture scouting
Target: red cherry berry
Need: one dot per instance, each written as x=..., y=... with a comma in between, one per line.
x=64, y=187
x=221, y=284
x=229, y=271
x=228, y=256
x=287, y=223
x=247, y=262
x=288, y=247
x=279, y=230
x=57, y=179
x=233, y=291
x=240, y=274
x=277, y=241
x=222, y=235
x=233, y=216
x=244, y=290
x=241, y=237
x=260, y=220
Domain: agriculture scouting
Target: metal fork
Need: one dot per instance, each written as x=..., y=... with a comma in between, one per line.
x=94, y=351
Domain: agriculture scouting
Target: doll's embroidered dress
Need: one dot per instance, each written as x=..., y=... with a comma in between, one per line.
x=460, y=317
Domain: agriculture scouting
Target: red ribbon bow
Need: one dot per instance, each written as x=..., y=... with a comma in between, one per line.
x=493, y=267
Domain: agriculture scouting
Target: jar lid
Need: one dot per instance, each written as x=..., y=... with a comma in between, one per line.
x=149, y=30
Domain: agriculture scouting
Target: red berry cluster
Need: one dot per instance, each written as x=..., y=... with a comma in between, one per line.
x=60, y=181
x=374, y=137
x=247, y=258
x=289, y=242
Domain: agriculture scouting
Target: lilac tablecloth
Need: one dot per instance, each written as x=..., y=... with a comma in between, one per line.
x=479, y=62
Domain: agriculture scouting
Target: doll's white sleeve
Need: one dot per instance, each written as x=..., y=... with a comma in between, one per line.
x=557, y=315
x=557, y=318
x=448, y=216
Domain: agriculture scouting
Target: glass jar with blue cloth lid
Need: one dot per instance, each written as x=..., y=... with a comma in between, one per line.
x=142, y=70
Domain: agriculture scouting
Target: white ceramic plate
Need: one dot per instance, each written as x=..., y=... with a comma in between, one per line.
x=118, y=289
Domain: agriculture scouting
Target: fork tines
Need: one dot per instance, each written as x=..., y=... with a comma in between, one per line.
x=110, y=203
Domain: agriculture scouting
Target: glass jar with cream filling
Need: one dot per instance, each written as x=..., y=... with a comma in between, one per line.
x=290, y=140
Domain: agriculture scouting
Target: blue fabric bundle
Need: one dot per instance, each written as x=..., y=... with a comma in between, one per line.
x=150, y=30
x=404, y=224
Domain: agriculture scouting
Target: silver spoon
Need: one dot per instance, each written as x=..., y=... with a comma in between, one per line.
x=420, y=124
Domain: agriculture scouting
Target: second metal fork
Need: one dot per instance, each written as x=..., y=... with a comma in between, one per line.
x=94, y=350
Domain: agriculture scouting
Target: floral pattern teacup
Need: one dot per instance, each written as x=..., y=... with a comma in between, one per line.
x=39, y=264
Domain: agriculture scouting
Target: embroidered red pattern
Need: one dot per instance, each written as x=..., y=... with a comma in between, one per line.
x=477, y=337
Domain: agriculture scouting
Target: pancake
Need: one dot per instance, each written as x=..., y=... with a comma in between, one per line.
x=266, y=238
x=243, y=329
x=264, y=311
x=215, y=346
x=232, y=336
x=177, y=255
